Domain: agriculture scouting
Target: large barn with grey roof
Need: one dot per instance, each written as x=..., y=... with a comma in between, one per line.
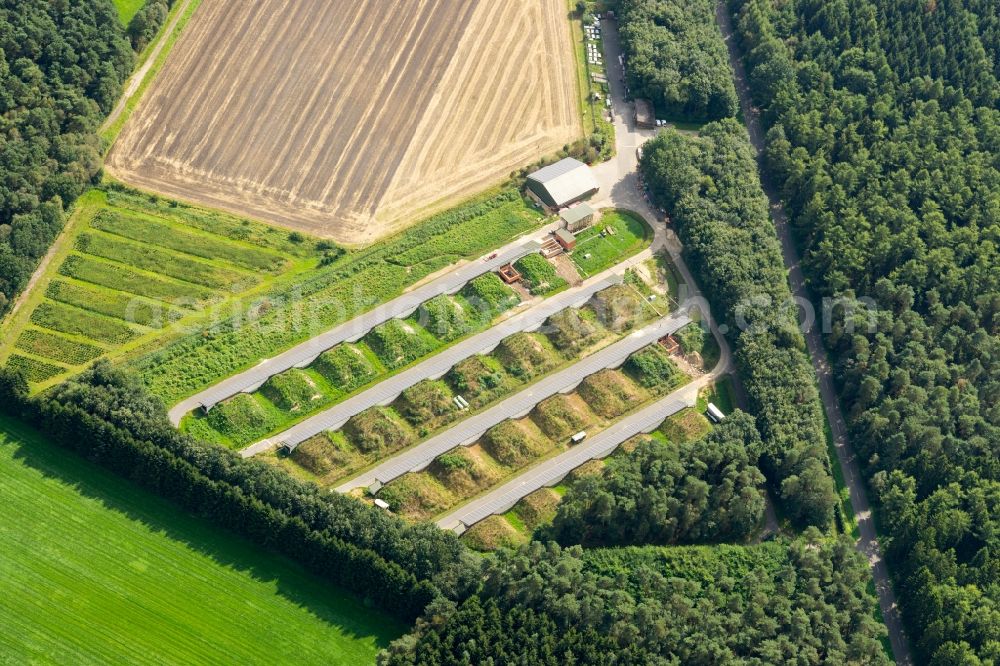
x=563, y=183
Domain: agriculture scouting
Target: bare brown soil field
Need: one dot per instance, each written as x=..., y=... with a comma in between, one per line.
x=350, y=120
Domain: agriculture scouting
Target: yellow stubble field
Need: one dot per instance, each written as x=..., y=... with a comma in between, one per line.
x=351, y=120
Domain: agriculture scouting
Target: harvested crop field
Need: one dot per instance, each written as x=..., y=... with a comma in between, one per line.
x=352, y=117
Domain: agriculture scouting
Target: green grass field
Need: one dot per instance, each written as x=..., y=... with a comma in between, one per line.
x=595, y=252
x=127, y=9
x=93, y=570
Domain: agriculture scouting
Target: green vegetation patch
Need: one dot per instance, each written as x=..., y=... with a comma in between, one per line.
x=514, y=443
x=348, y=366
x=465, y=472
x=416, y=496
x=175, y=237
x=446, y=317
x=694, y=339
x=33, y=369
x=685, y=426
x=427, y=405
x=377, y=430
x=56, y=347
x=116, y=276
x=537, y=508
x=488, y=292
x=492, y=533
x=609, y=393
x=619, y=308
x=526, y=355
x=325, y=453
x=560, y=416
x=292, y=391
x=68, y=319
x=652, y=368
x=117, y=304
x=466, y=230
x=242, y=418
x=162, y=262
x=573, y=329
x=539, y=274
x=212, y=221
x=118, y=576
x=397, y=342
x=615, y=237
x=479, y=379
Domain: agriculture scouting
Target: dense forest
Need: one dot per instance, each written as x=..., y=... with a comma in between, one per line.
x=709, y=186
x=884, y=140
x=676, y=59
x=706, y=490
x=61, y=69
x=802, y=602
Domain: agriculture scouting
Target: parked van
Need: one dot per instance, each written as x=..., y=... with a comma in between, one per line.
x=715, y=413
x=579, y=437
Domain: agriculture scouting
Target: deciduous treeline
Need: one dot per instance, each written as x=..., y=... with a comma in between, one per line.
x=61, y=68
x=147, y=22
x=108, y=418
x=884, y=138
x=780, y=603
x=676, y=59
x=710, y=187
x=707, y=490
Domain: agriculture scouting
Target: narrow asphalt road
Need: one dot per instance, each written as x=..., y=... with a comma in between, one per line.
x=467, y=431
x=553, y=470
x=868, y=541
x=403, y=305
x=437, y=365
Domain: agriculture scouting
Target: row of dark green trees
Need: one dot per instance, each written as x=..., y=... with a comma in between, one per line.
x=62, y=65
x=106, y=417
x=710, y=187
x=884, y=139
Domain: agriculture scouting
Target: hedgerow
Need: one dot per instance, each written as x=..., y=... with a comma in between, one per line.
x=57, y=348
x=128, y=308
x=115, y=276
x=112, y=421
x=32, y=369
x=161, y=262
x=539, y=274
x=74, y=321
x=175, y=237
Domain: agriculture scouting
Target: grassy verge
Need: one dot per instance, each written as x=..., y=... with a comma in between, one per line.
x=109, y=134
x=116, y=575
x=617, y=235
x=592, y=110
x=127, y=9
